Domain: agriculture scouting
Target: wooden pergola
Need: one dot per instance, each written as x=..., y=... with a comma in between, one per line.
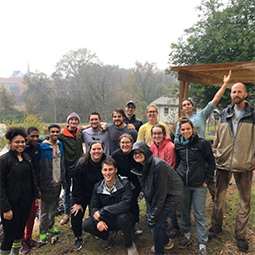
x=212, y=74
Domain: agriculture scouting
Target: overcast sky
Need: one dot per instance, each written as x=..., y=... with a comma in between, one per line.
x=120, y=32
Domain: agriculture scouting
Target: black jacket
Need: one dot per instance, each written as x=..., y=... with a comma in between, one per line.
x=10, y=180
x=162, y=187
x=197, y=163
x=85, y=176
x=111, y=204
x=136, y=122
x=125, y=163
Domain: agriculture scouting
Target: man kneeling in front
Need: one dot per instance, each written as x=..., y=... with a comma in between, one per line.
x=110, y=207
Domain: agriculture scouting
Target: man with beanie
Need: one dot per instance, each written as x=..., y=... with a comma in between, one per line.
x=72, y=140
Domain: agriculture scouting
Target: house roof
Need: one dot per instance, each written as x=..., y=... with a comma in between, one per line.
x=212, y=74
x=166, y=101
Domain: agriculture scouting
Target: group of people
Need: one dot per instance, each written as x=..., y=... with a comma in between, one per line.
x=121, y=160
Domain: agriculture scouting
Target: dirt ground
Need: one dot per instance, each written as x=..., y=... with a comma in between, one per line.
x=224, y=244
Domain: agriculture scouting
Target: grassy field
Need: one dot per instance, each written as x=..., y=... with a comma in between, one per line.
x=222, y=245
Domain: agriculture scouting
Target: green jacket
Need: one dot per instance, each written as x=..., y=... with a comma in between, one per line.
x=72, y=147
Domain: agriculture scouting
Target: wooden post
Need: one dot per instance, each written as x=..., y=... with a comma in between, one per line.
x=183, y=93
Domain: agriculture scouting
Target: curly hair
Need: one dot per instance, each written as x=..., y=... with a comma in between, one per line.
x=15, y=131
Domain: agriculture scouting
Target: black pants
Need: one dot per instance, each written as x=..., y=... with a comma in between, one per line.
x=14, y=228
x=76, y=221
x=134, y=206
x=123, y=221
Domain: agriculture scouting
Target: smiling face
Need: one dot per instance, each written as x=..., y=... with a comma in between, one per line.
x=94, y=121
x=157, y=135
x=96, y=152
x=126, y=145
x=139, y=157
x=238, y=94
x=186, y=130
x=33, y=138
x=118, y=119
x=73, y=123
x=18, y=144
x=187, y=107
x=54, y=134
x=130, y=109
x=152, y=114
x=109, y=173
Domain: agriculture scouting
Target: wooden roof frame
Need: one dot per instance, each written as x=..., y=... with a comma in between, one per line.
x=212, y=74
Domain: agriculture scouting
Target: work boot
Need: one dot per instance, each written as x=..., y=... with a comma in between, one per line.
x=242, y=244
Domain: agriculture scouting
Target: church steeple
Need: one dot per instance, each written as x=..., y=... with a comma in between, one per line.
x=28, y=70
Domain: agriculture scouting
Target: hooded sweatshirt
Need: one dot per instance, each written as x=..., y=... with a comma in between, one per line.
x=162, y=187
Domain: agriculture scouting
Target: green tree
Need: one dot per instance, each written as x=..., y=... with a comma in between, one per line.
x=224, y=33
x=7, y=106
x=39, y=96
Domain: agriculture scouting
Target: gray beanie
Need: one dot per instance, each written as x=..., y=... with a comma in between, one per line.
x=73, y=115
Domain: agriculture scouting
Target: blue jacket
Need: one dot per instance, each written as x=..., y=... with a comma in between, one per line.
x=45, y=166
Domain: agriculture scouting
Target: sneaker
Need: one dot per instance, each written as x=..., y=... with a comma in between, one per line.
x=184, y=243
x=167, y=246
x=138, y=229
x=65, y=219
x=24, y=249
x=202, y=249
x=242, y=244
x=43, y=239
x=54, y=231
x=33, y=244
x=78, y=244
x=132, y=250
x=106, y=245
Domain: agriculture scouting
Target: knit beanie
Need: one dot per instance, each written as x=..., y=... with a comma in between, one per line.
x=73, y=115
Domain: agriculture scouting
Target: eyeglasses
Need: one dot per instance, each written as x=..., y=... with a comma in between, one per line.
x=159, y=133
x=137, y=153
x=152, y=112
x=57, y=132
x=131, y=107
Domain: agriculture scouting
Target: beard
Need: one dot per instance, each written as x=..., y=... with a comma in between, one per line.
x=118, y=123
x=238, y=100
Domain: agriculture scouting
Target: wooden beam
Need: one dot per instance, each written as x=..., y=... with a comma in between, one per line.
x=188, y=76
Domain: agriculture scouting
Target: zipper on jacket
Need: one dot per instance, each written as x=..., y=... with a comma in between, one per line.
x=187, y=162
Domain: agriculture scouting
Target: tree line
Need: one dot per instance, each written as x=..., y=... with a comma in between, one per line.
x=82, y=83
x=224, y=32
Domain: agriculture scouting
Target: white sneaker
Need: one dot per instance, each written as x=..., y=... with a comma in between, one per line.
x=132, y=250
x=202, y=249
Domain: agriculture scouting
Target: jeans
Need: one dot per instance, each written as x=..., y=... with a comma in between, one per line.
x=244, y=184
x=48, y=208
x=159, y=235
x=123, y=221
x=67, y=193
x=196, y=197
